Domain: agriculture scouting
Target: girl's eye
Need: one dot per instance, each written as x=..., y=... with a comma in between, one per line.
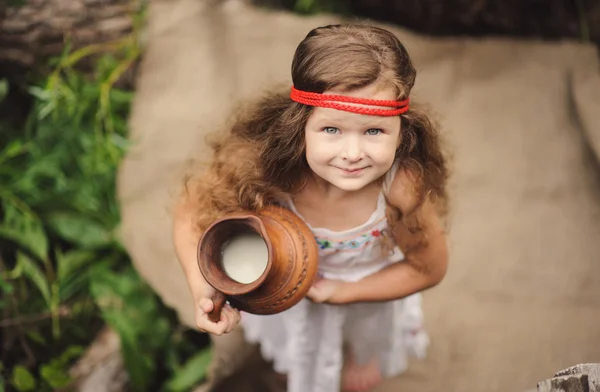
x=374, y=131
x=331, y=130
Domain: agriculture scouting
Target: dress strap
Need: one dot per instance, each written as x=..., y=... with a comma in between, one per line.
x=389, y=176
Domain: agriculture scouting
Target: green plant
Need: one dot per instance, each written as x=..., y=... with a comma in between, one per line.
x=63, y=272
x=310, y=7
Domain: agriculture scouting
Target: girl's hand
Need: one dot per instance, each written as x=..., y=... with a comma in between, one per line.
x=185, y=239
x=230, y=317
x=327, y=290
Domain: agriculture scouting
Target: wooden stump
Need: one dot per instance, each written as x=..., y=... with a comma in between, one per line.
x=580, y=378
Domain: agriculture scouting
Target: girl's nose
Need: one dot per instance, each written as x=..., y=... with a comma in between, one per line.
x=353, y=150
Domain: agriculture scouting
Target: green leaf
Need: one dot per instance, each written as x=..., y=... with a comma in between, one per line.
x=40, y=93
x=6, y=287
x=56, y=372
x=133, y=310
x=194, y=371
x=112, y=292
x=14, y=148
x=3, y=89
x=56, y=377
x=37, y=337
x=27, y=232
x=140, y=368
x=72, y=352
x=22, y=379
x=314, y=6
x=79, y=229
x=71, y=262
x=76, y=286
x=121, y=96
x=99, y=264
x=35, y=275
x=304, y=6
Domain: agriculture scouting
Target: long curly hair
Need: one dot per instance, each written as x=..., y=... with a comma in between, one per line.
x=261, y=158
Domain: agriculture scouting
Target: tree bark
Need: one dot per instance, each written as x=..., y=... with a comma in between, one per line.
x=39, y=29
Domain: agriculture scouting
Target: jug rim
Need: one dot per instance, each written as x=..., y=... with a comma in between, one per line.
x=224, y=283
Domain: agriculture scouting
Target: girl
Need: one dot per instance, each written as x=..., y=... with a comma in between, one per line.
x=346, y=152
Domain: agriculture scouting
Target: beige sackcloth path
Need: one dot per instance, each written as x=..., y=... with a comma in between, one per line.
x=522, y=297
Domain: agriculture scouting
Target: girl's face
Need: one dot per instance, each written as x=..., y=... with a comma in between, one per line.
x=351, y=150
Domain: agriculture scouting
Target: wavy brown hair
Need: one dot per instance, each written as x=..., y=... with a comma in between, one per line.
x=262, y=158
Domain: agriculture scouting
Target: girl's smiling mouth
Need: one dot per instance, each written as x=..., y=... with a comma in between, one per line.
x=354, y=171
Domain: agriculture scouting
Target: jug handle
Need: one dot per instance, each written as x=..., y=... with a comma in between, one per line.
x=218, y=302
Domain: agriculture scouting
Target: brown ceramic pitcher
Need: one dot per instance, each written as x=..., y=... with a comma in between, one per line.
x=290, y=269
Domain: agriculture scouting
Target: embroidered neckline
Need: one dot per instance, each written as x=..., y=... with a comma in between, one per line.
x=355, y=243
x=322, y=232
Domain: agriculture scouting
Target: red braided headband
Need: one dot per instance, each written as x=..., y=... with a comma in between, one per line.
x=329, y=101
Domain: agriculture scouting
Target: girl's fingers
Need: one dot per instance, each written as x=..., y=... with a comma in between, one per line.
x=233, y=317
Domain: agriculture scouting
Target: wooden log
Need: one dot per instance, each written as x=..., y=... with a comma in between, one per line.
x=550, y=19
x=38, y=29
x=546, y=19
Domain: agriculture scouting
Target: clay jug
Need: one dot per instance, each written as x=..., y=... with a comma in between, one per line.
x=291, y=265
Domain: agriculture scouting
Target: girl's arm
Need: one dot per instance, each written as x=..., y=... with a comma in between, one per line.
x=185, y=240
x=423, y=268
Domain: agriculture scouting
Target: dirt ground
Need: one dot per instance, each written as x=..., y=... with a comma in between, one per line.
x=522, y=296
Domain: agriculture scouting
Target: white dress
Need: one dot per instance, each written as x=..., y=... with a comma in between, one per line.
x=307, y=340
